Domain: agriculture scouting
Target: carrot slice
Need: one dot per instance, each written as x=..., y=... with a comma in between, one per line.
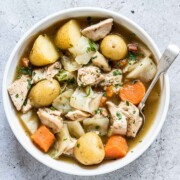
x=43, y=138
x=102, y=101
x=133, y=92
x=25, y=62
x=109, y=91
x=116, y=147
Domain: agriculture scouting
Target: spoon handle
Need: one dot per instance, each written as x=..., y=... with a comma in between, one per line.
x=168, y=57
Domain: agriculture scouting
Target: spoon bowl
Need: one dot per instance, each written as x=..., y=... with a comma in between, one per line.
x=168, y=57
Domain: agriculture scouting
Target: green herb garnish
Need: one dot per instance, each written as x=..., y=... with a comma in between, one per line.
x=24, y=70
x=92, y=47
x=98, y=111
x=88, y=91
x=116, y=72
x=104, y=94
x=127, y=103
x=94, y=57
x=17, y=95
x=25, y=103
x=52, y=108
x=132, y=57
x=64, y=139
x=78, y=145
x=119, y=115
x=29, y=84
x=62, y=75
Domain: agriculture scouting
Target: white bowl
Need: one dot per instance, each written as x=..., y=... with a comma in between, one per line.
x=16, y=127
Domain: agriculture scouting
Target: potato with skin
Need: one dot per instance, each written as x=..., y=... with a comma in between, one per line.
x=89, y=149
x=68, y=35
x=44, y=92
x=43, y=52
x=113, y=47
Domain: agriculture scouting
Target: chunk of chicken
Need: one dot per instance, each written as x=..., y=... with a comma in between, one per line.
x=46, y=72
x=51, y=118
x=118, y=120
x=70, y=147
x=133, y=118
x=64, y=143
x=89, y=75
x=98, y=31
x=100, y=61
x=26, y=106
x=112, y=78
x=18, y=91
x=77, y=115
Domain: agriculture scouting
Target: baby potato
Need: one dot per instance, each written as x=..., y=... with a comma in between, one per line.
x=43, y=51
x=44, y=92
x=113, y=47
x=68, y=35
x=89, y=149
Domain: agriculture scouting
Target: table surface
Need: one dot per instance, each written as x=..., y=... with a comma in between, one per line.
x=161, y=20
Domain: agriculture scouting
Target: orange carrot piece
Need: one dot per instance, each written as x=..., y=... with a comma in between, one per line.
x=123, y=62
x=109, y=91
x=43, y=138
x=116, y=147
x=25, y=62
x=133, y=92
x=103, y=101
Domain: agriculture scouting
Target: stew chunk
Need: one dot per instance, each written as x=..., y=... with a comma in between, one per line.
x=89, y=75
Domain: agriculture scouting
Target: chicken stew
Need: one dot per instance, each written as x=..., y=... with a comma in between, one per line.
x=77, y=88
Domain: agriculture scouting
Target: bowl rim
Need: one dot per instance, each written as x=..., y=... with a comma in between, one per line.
x=52, y=16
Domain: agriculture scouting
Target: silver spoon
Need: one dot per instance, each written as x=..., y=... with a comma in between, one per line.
x=168, y=57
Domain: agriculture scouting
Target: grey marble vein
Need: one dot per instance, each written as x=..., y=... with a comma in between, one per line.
x=160, y=18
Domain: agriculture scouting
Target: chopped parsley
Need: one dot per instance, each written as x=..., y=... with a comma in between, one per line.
x=24, y=70
x=25, y=103
x=78, y=145
x=92, y=47
x=29, y=84
x=127, y=103
x=94, y=57
x=52, y=108
x=98, y=111
x=34, y=73
x=104, y=94
x=132, y=57
x=116, y=72
x=134, y=112
x=88, y=91
x=119, y=115
x=62, y=75
x=116, y=86
x=64, y=139
x=17, y=95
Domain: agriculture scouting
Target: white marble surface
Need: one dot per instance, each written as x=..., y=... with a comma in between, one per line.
x=160, y=18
